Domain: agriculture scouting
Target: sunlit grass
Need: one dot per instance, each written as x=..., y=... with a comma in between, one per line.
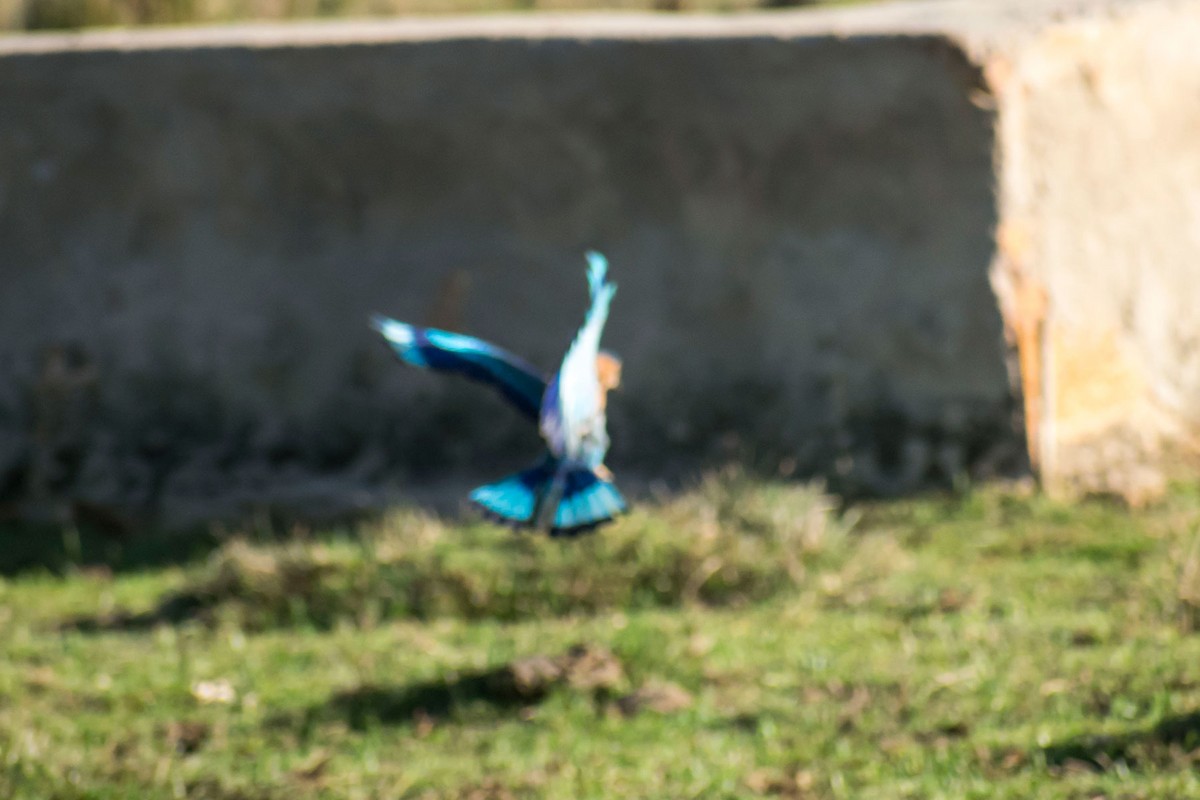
x=986, y=645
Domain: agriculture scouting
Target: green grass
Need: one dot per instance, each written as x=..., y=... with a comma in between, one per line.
x=986, y=645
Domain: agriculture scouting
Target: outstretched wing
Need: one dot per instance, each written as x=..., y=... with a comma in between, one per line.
x=573, y=420
x=521, y=384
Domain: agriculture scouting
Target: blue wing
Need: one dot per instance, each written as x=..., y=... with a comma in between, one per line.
x=587, y=501
x=584, y=499
x=519, y=383
x=573, y=419
x=514, y=500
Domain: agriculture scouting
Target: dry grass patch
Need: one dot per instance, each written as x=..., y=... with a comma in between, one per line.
x=731, y=541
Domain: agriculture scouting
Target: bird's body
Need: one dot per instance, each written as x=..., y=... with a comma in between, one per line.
x=569, y=490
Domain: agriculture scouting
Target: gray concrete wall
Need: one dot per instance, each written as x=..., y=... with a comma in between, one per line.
x=194, y=225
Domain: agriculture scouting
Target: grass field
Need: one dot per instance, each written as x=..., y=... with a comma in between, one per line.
x=741, y=640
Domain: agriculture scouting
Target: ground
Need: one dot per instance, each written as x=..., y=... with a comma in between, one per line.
x=745, y=639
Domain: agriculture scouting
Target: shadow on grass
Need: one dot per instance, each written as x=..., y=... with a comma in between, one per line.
x=588, y=670
x=31, y=547
x=99, y=538
x=419, y=706
x=381, y=705
x=1173, y=739
x=174, y=609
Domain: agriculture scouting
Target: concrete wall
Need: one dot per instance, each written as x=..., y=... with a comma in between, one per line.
x=799, y=209
x=1101, y=217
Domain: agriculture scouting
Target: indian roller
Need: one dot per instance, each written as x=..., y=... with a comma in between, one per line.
x=569, y=490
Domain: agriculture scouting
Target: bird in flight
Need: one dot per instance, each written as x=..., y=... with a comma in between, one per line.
x=569, y=490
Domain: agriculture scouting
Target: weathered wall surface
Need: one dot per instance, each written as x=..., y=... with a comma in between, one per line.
x=799, y=209
x=191, y=240
x=1101, y=221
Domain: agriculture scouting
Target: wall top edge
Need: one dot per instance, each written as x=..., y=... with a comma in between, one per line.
x=977, y=24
